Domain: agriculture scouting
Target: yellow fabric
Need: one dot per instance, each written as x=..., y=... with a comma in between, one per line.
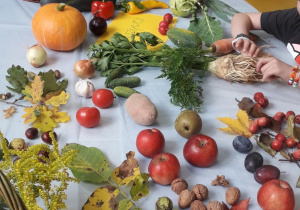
x=271, y=5
x=127, y=24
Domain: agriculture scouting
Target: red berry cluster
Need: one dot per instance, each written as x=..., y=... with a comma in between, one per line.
x=280, y=139
x=164, y=24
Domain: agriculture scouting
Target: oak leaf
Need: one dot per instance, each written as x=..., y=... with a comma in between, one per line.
x=59, y=116
x=17, y=77
x=8, y=112
x=31, y=114
x=36, y=89
x=102, y=198
x=237, y=126
x=127, y=171
x=43, y=121
x=62, y=98
x=51, y=83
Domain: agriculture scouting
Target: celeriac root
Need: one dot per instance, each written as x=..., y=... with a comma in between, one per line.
x=236, y=68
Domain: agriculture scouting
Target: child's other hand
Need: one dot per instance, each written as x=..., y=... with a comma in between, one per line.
x=247, y=47
x=271, y=67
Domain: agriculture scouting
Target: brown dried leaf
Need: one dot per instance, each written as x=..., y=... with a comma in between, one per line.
x=246, y=104
x=292, y=130
x=285, y=155
x=220, y=180
x=242, y=205
x=8, y=112
x=127, y=171
x=298, y=182
x=264, y=141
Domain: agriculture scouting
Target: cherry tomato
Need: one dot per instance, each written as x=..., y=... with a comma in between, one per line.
x=103, y=98
x=290, y=143
x=258, y=95
x=281, y=137
x=277, y=145
x=88, y=117
x=164, y=24
x=162, y=30
x=168, y=17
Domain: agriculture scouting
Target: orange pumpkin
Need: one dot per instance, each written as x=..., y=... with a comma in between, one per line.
x=59, y=27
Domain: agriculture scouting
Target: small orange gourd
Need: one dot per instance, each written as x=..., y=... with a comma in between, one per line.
x=59, y=27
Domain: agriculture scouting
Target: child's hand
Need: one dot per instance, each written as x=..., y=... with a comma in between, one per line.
x=271, y=67
x=246, y=47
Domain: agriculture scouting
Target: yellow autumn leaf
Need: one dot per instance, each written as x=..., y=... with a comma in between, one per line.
x=127, y=171
x=237, y=126
x=44, y=122
x=8, y=112
x=62, y=98
x=59, y=116
x=27, y=94
x=103, y=198
x=31, y=114
x=37, y=89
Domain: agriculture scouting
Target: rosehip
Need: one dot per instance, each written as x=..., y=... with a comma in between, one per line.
x=263, y=102
x=280, y=114
x=277, y=145
x=280, y=137
x=296, y=154
x=258, y=95
x=290, y=143
x=297, y=119
x=263, y=122
x=288, y=113
x=298, y=145
x=253, y=128
x=278, y=118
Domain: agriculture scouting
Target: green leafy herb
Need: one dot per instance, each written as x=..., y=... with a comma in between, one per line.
x=207, y=27
x=17, y=78
x=184, y=67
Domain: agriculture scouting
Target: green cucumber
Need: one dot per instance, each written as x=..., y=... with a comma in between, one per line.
x=123, y=91
x=184, y=38
x=115, y=73
x=131, y=82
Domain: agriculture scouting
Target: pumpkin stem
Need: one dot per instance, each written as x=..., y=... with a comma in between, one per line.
x=61, y=6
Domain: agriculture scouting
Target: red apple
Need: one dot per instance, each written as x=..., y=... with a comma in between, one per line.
x=150, y=142
x=200, y=150
x=164, y=168
x=276, y=194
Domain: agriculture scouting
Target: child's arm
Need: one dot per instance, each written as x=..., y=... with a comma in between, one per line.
x=242, y=23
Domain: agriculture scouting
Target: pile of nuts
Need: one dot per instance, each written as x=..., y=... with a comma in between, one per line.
x=193, y=198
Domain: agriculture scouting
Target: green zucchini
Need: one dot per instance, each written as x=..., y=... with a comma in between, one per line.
x=115, y=73
x=131, y=82
x=184, y=38
x=81, y=5
x=123, y=91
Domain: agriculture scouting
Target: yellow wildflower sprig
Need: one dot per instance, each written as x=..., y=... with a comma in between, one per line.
x=33, y=178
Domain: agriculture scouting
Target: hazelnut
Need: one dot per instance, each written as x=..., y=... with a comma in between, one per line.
x=214, y=205
x=186, y=197
x=179, y=185
x=57, y=74
x=197, y=205
x=232, y=195
x=201, y=191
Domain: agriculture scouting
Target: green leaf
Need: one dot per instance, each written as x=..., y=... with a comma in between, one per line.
x=264, y=141
x=125, y=204
x=89, y=164
x=17, y=78
x=207, y=28
x=221, y=9
x=51, y=84
x=149, y=38
x=103, y=63
x=139, y=187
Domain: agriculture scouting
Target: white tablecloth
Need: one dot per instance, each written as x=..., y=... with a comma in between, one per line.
x=117, y=133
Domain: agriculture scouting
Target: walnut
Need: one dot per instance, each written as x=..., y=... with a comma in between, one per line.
x=214, y=205
x=179, y=185
x=232, y=195
x=197, y=205
x=220, y=180
x=201, y=191
x=186, y=197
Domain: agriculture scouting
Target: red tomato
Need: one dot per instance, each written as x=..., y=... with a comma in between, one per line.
x=162, y=30
x=290, y=142
x=168, y=17
x=103, y=9
x=103, y=98
x=277, y=145
x=88, y=117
